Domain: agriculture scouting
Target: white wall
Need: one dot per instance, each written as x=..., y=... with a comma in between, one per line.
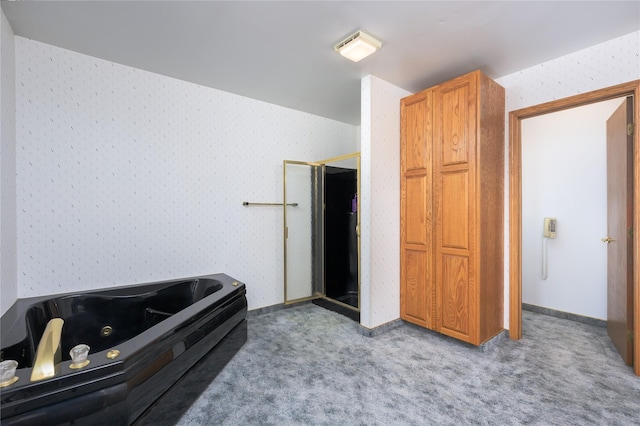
x=129, y=144
x=127, y=176
x=564, y=175
x=8, y=265
x=613, y=62
x=380, y=214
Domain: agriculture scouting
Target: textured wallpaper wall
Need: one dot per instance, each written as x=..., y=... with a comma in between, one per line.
x=385, y=206
x=364, y=201
x=8, y=274
x=380, y=215
x=613, y=62
x=126, y=176
x=606, y=64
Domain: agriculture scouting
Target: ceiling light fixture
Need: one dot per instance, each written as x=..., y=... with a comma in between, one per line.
x=358, y=46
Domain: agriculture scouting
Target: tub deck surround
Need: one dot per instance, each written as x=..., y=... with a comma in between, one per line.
x=160, y=331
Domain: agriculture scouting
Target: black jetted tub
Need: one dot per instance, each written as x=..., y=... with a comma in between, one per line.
x=159, y=330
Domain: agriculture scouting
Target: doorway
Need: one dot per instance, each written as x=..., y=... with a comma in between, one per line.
x=515, y=200
x=566, y=271
x=321, y=238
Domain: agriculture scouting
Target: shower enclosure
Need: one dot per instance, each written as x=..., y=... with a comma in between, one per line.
x=321, y=238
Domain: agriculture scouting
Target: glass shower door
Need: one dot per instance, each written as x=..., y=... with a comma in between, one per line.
x=303, y=230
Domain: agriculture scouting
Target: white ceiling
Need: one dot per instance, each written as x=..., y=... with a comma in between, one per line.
x=282, y=51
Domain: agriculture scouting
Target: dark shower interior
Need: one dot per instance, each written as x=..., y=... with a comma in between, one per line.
x=341, y=249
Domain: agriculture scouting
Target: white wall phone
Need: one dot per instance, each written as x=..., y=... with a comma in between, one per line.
x=548, y=232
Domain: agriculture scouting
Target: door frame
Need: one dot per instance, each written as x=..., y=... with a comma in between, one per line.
x=322, y=163
x=631, y=88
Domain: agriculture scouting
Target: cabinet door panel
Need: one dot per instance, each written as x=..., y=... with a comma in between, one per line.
x=417, y=127
x=416, y=297
x=454, y=209
x=416, y=258
x=417, y=215
x=455, y=130
x=455, y=294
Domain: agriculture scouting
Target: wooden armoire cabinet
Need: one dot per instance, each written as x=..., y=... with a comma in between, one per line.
x=451, y=208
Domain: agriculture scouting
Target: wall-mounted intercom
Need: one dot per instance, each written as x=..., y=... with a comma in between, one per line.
x=549, y=230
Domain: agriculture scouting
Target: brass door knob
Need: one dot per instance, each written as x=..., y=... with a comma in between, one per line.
x=607, y=240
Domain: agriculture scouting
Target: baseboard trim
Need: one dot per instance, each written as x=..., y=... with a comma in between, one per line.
x=565, y=315
x=273, y=308
x=376, y=331
x=494, y=341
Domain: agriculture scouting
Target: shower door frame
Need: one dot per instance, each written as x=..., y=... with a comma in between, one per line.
x=320, y=291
